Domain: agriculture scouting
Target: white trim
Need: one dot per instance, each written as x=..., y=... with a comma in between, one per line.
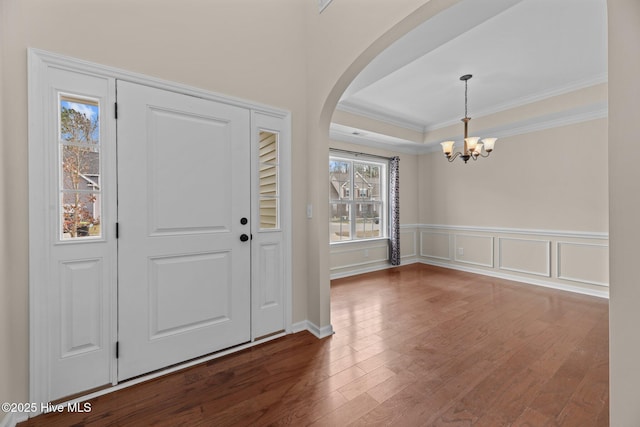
x=521, y=279
x=573, y=279
x=38, y=312
x=551, y=282
x=538, y=123
x=11, y=419
x=299, y=327
x=354, y=242
x=176, y=368
x=517, y=270
x=66, y=62
x=362, y=242
x=414, y=234
x=322, y=5
x=527, y=231
x=526, y=100
x=409, y=226
x=598, y=111
x=380, y=116
x=541, y=96
x=282, y=127
x=307, y=325
x=286, y=206
x=342, y=274
x=360, y=264
x=383, y=204
x=455, y=252
x=38, y=62
x=436, y=256
x=383, y=142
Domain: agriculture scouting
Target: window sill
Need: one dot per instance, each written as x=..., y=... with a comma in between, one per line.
x=351, y=242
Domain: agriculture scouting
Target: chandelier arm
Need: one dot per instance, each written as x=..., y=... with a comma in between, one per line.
x=451, y=158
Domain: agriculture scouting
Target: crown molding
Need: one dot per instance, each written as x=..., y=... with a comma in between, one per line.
x=380, y=116
x=520, y=102
x=594, y=111
x=374, y=140
x=385, y=117
x=535, y=124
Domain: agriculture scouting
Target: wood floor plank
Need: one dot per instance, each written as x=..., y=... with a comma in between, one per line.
x=414, y=346
x=364, y=383
x=348, y=413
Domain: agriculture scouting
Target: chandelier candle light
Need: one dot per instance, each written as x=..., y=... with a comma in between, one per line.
x=472, y=148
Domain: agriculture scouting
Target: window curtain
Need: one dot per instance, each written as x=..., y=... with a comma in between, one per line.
x=394, y=210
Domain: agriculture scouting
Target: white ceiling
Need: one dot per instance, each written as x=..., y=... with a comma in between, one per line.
x=519, y=51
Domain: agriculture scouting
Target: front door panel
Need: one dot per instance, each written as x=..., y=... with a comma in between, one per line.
x=184, y=185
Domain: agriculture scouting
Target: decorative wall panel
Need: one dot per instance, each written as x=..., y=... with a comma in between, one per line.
x=583, y=262
x=529, y=256
x=474, y=249
x=435, y=244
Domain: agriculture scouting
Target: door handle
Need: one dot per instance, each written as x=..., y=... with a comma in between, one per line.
x=244, y=238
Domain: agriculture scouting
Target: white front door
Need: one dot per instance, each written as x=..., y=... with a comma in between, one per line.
x=183, y=248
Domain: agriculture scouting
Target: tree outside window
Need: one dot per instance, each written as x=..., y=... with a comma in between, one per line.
x=80, y=168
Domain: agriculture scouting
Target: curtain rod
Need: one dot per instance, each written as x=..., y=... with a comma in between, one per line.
x=356, y=153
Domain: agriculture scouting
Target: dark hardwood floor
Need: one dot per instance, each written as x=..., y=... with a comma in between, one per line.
x=413, y=346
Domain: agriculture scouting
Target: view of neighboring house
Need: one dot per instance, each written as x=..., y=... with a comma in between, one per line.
x=82, y=205
x=357, y=203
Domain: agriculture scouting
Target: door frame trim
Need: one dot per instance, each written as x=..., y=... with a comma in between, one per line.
x=39, y=61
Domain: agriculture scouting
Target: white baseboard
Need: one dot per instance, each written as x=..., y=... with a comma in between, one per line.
x=11, y=419
x=604, y=293
x=530, y=281
x=306, y=325
x=7, y=420
x=157, y=374
x=370, y=269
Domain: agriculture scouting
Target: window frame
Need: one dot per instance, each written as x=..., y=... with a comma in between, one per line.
x=353, y=203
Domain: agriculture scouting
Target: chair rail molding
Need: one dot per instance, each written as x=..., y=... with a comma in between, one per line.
x=575, y=261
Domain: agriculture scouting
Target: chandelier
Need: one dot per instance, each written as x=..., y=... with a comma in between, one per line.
x=472, y=148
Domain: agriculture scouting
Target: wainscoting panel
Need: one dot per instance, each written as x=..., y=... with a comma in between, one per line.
x=435, y=244
x=354, y=256
x=408, y=243
x=473, y=249
x=349, y=258
x=583, y=262
x=528, y=256
x=567, y=260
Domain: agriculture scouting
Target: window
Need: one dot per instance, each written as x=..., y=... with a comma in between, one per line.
x=269, y=171
x=79, y=168
x=357, y=198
